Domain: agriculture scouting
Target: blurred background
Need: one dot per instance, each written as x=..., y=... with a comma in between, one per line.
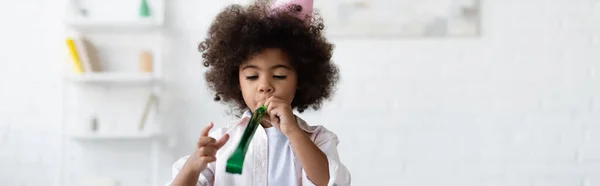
x=436, y=92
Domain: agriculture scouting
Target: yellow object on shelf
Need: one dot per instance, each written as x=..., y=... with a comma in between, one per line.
x=145, y=61
x=74, y=56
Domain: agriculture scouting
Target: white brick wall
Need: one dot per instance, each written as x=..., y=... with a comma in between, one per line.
x=519, y=105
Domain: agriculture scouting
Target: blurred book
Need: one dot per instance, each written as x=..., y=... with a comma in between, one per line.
x=74, y=55
x=81, y=55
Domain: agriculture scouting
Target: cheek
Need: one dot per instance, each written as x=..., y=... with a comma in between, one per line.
x=290, y=88
x=245, y=87
x=247, y=93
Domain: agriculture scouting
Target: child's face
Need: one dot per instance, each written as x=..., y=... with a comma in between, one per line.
x=267, y=74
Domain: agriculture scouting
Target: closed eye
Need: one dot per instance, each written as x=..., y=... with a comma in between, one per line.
x=251, y=77
x=279, y=77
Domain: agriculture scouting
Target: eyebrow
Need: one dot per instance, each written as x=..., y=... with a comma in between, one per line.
x=273, y=67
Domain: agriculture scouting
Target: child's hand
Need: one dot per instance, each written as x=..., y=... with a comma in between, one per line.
x=206, y=149
x=281, y=115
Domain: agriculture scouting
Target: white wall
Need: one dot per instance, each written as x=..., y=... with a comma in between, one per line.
x=30, y=111
x=517, y=106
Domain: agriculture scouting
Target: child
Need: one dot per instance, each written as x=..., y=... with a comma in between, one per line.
x=273, y=55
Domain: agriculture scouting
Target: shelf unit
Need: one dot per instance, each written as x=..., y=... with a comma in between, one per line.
x=104, y=17
x=99, y=22
x=134, y=24
x=115, y=136
x=113, y=78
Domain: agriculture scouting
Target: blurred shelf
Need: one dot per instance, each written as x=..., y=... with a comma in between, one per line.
x=113, y=77
x=142, y=24
x=114, y=136
x=100, y=15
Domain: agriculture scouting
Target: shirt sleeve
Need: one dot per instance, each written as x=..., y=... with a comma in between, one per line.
x=338, y=173
x=206, y=178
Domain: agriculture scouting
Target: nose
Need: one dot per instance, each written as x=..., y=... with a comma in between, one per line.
x=265, y=87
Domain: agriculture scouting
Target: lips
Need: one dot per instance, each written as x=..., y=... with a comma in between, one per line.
x=265, y=97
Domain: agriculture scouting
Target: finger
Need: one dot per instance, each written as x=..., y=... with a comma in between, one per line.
x=271, y=104
x=274, y=98
x=274, y=120
x=272, y=115
x=261, y=103
x=222, y=141
x=208, y=151
x=205, y=141
x=268, y=100
x=206, y=129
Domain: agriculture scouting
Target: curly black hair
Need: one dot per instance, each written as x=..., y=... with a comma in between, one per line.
x=240, y=32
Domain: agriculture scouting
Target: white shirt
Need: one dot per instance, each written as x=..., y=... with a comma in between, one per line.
x=255, y=169
x=281, y=169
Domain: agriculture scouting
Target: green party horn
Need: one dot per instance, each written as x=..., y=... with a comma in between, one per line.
x=235, y=162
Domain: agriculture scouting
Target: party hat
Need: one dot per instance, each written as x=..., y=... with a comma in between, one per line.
x=304, y=8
